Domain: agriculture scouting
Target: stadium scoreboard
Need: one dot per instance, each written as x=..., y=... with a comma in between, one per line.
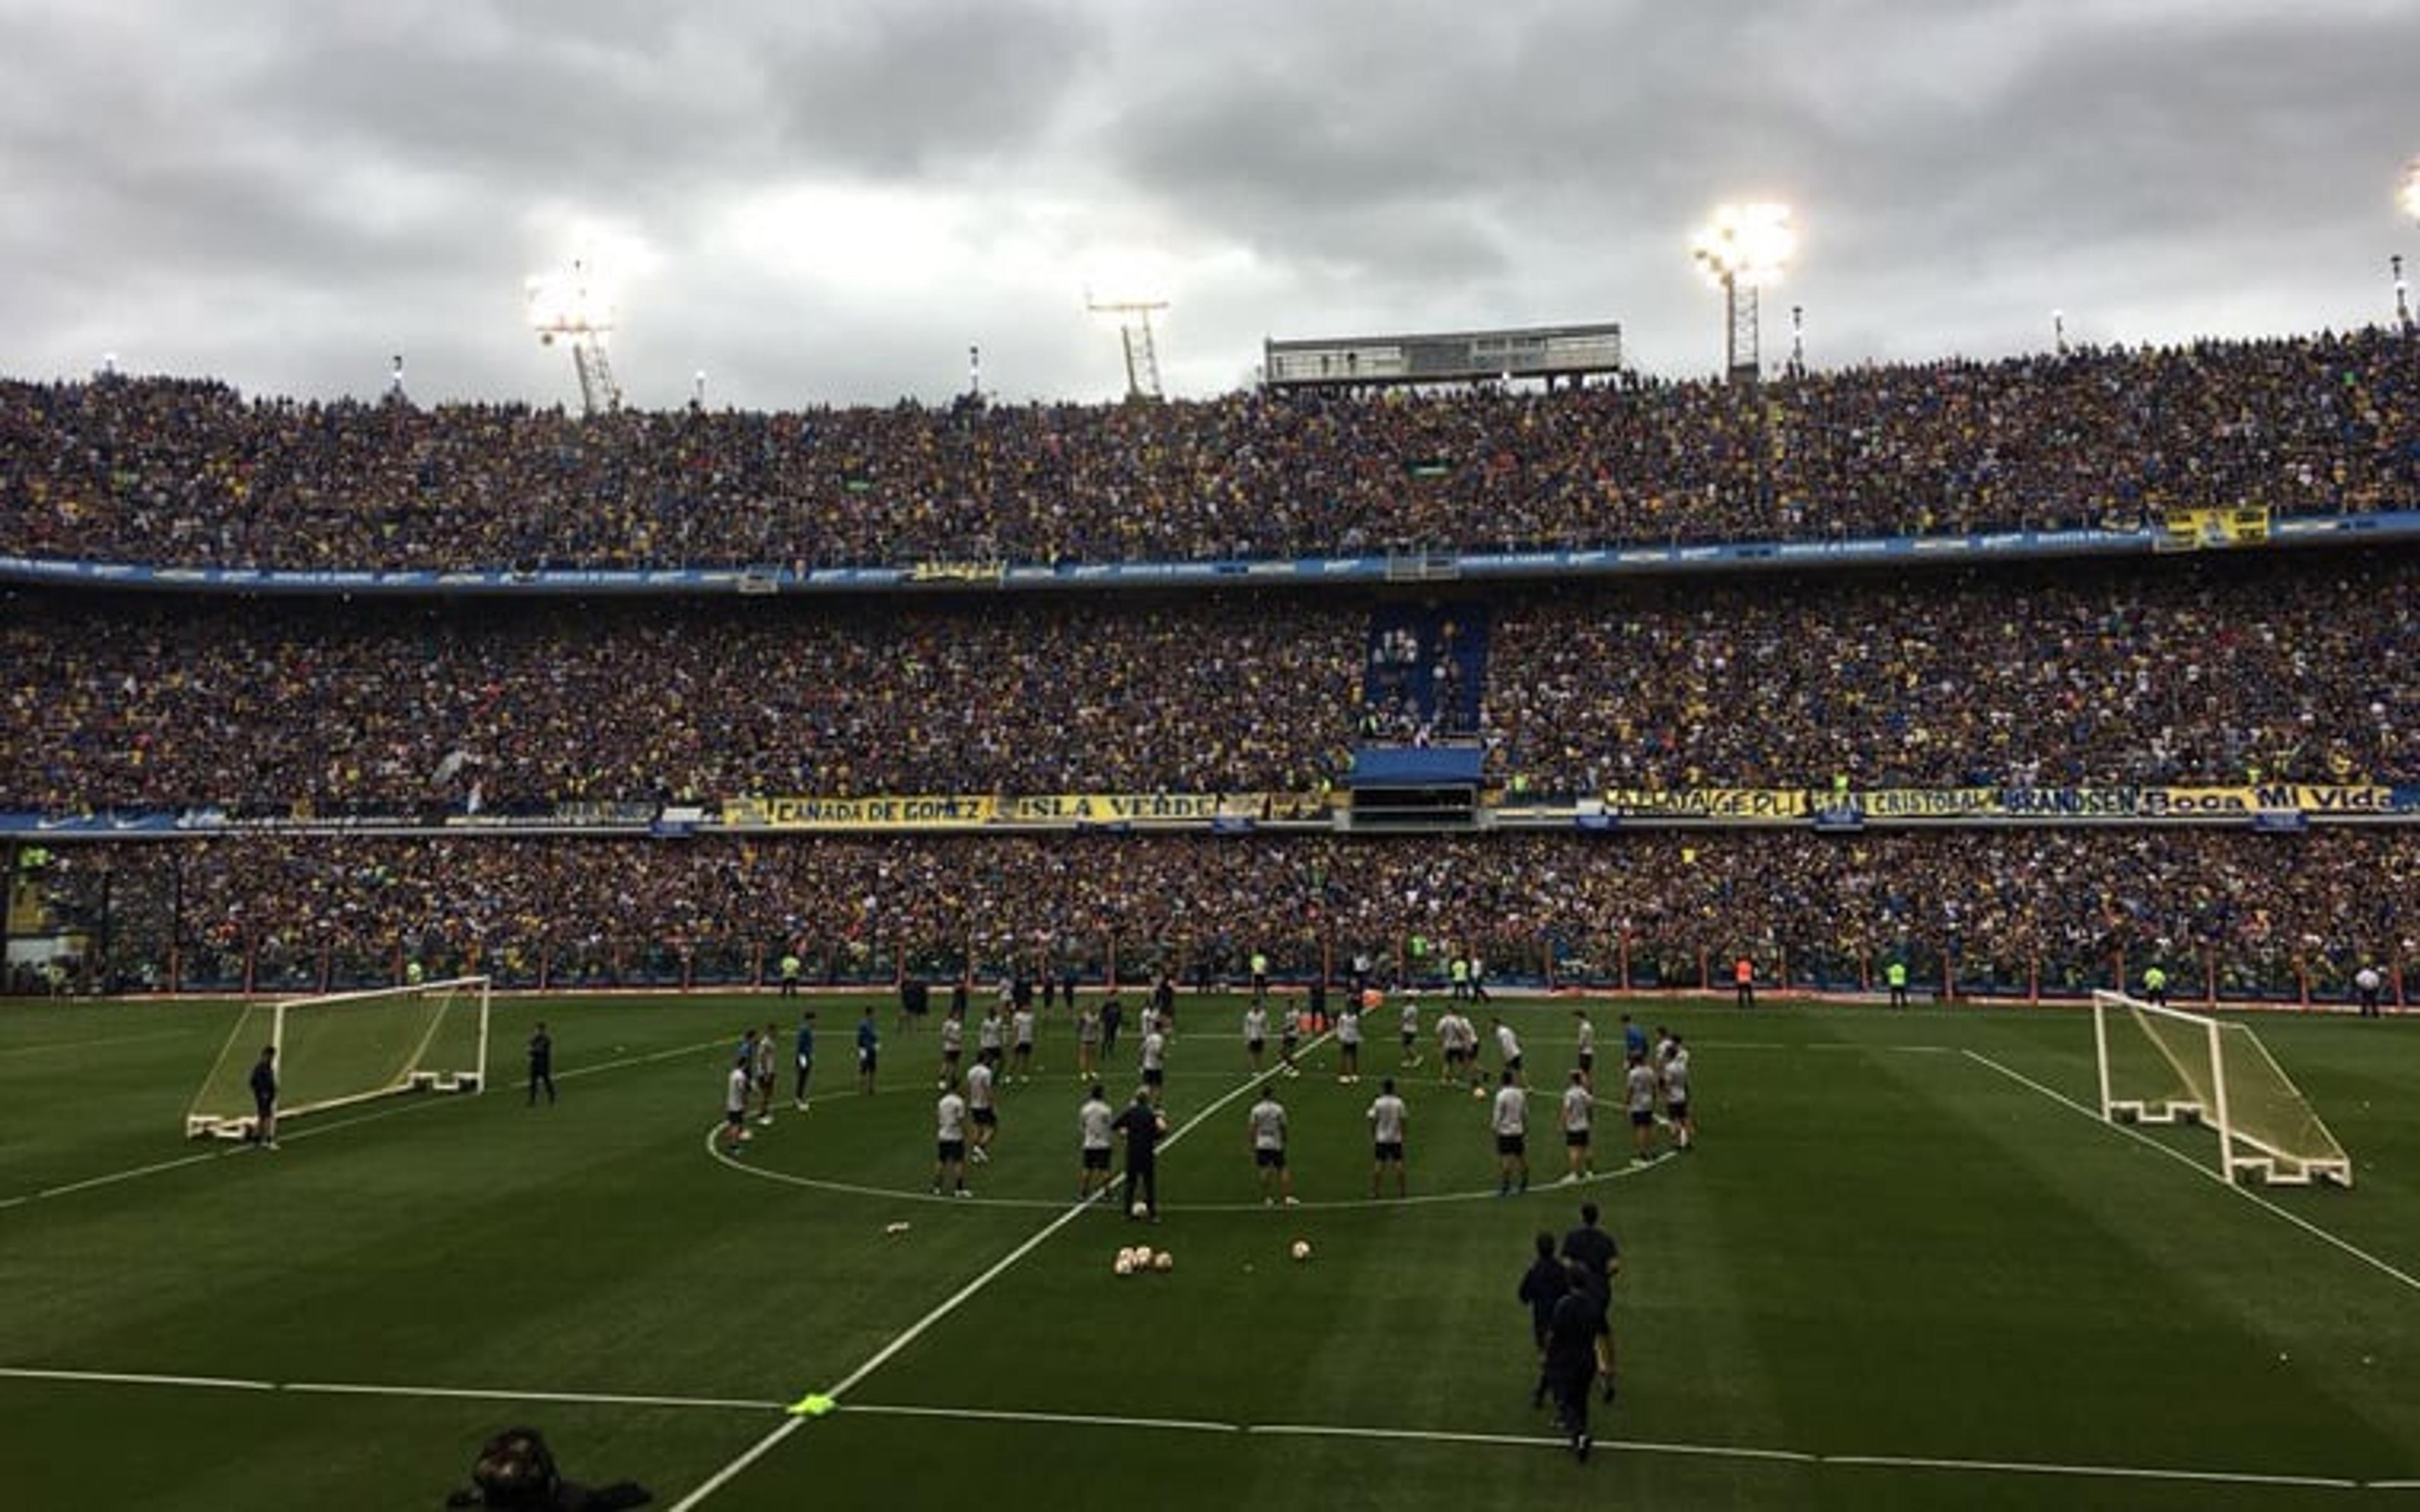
x=1549, y=352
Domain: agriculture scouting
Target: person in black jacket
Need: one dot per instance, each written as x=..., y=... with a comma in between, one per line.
x=1542, y=1285
x=515, y=1469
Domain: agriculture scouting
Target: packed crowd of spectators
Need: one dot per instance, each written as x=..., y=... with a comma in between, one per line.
x=2208, y=671
x=2285, y=666
x=504, y=706
x=2013, y=907
x=187, y=473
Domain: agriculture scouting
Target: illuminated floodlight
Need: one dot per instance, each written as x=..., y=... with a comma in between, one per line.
x=1746, y=244
x=1740, y=250
x=2408, y=193
x=576, y=307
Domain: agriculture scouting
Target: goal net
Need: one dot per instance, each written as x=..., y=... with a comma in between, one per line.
x=2160, y=1065
x=347, y=1048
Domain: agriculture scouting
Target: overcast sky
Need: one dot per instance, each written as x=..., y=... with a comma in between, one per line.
x=826, y=201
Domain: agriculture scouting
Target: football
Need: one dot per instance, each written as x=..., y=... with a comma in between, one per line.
x=1479, y=1091
x=1163, y=1261
x=1302, y=1249
x=1142, y=1256
x=1141, y=1210
x=1124, y=1264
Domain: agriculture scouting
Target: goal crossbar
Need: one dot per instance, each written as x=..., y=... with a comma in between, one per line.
x=2163, y=1065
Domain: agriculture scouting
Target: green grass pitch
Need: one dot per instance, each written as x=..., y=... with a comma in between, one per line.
x=1905, y=1268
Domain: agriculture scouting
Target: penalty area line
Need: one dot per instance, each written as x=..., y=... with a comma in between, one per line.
x=2344, y=1245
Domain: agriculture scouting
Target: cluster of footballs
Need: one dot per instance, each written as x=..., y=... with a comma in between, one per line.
x=1137, y=1258
x=1142, y=1258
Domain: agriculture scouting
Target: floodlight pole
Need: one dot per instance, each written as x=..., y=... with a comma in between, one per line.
x=1742, y=363
x=1134, y=328
x=2058, y=332
x=2402, y=294
x=1798, y=341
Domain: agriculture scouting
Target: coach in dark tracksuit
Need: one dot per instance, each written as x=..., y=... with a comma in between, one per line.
x=542, y=1057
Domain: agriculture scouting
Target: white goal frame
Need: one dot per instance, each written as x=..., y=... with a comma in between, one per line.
x=242, y=1039
x=2242, y=1154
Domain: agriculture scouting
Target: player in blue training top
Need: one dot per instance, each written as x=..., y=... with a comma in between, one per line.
x=869, y=1050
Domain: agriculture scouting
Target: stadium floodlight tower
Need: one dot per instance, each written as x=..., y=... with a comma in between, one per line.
x=1133, y=317
x=574, y=308
x=1742, y=249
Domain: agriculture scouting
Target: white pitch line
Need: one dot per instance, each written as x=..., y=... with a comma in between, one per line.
x=916, y=1330
x=576, y=1399
x=315, y=1129
x=114, y=1177
x=1320, y=1431
x=2021, y=1467
x=119, y=1378
x=2346, y=1247
x=857, y=1189
x=1090, y=1420
x=1180, y=1425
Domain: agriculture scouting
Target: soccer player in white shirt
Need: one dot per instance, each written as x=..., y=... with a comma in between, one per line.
x=1640, y=1087
x=983, y=1110
x=1020, y=1030
x=1348, y=1043
x=1409, y=1023
x=1256, y=1034
x=1455, y=1037
x=1676, y=1095
x=1387, y=1119
x=1093, y=1137
x=768, y=1072
x=1155, y=1064
x=735, y=1103
x=954, y=1045
x=1579, y=1109
x=950, y=1142
x=1508, y=1044
x=1088, y=1043
x=1510, y=1118
x=1587, y=1032
x=1267, y=1122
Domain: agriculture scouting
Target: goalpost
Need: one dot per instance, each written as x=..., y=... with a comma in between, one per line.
x=345, y=1048
x=2162, y=1065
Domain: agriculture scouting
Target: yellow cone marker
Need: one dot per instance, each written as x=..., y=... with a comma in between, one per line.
x=814, y=1404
